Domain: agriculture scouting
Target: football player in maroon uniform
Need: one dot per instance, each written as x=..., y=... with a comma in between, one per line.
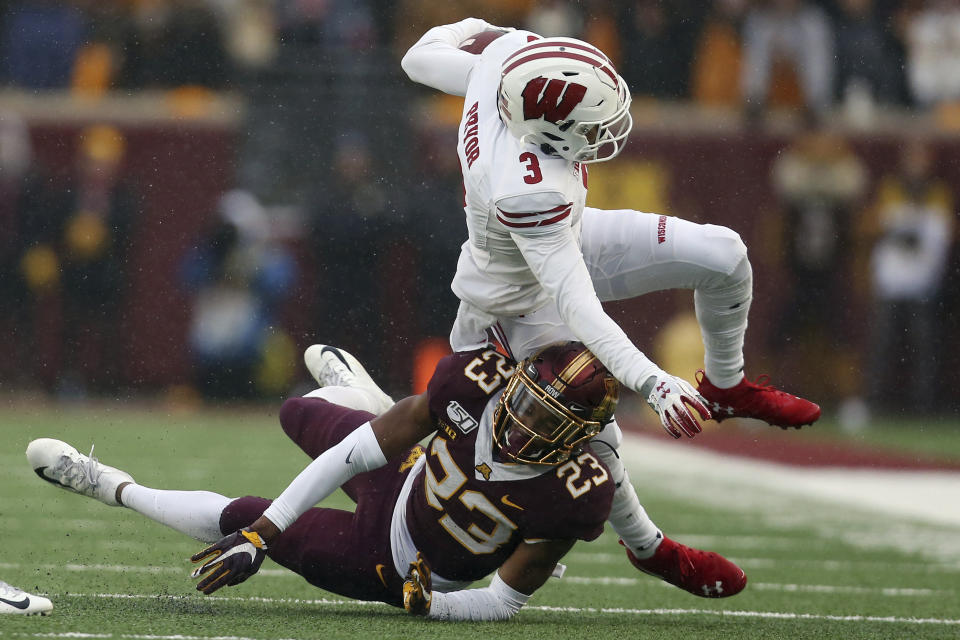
x=506, y=484
x=538, y=262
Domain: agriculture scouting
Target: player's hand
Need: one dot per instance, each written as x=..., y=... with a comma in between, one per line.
x=677, y=403
x=418, y=587
x=230, y=561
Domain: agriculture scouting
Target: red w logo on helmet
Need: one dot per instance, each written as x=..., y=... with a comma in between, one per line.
x=552, y=100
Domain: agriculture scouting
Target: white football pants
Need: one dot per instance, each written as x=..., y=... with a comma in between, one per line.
x=629, y=253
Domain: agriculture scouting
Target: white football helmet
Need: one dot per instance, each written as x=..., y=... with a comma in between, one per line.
x=565, y=96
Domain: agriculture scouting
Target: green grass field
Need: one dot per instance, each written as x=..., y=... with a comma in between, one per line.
x=816, y=570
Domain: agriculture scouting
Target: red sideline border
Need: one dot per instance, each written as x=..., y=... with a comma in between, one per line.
x=776, y=445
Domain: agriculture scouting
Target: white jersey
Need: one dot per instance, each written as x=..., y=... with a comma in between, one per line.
x=524, y=208
x=513, y=192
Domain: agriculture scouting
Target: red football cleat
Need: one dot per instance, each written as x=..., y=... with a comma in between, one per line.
x=757, y=400
x=702, y=573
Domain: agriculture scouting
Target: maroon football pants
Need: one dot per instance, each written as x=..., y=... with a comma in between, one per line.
x=339, y=551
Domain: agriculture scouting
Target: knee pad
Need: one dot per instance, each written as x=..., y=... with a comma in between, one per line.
x=729, y=252
x=242, y=512
x=733, y=283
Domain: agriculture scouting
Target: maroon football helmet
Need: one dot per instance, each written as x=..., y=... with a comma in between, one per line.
x=558, y=397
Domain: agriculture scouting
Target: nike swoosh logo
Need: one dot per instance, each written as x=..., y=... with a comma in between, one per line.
x=39, y=471
x=337, y=353
x=347, y=461
x=380, y=568
x=506, y=500
x=22, y=604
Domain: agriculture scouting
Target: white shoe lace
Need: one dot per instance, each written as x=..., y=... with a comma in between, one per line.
x=337, y=374
x=81, y=475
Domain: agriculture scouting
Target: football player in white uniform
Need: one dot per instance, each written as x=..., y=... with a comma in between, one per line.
x=538, y=262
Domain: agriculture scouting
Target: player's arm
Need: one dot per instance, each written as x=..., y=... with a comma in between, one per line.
x=404, y=425
x=556, y=261
x=368, y=447
x=437, y=61
x=525, y=571
x=236, y=557
x=554, y=257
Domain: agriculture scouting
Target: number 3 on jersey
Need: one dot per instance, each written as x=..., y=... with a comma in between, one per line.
x=532, y=164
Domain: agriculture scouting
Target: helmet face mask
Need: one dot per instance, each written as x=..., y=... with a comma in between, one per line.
x=556, y=400
x=556, y=92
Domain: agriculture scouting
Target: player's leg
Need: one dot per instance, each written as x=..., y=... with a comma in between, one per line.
x=626, y=258
x=347, y=398
x=342, y=552
x=338, y=551
x=315, y=424
x=194, y=513
x=469, y=330
x=627, y=516
x=702, y=573
x=524, y=335
x=629, y=253
x=343, y=380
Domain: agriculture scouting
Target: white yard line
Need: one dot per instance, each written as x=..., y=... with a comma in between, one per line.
x=137, y=636
x=602, y=557
x=123, y=568
x=618, y=581
x=775, y=615
x=774, y=586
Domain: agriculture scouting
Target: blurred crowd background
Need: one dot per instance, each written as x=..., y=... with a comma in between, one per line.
x=192, y=191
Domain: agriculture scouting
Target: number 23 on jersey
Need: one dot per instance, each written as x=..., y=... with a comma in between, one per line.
x=488, y=528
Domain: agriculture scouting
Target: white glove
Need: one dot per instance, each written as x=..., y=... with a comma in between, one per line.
x=672, y=398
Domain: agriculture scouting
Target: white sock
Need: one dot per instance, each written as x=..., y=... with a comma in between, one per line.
x=627, y=516
x=346, y=397
x=631, y=522
x=722, y=315
x=195, y=513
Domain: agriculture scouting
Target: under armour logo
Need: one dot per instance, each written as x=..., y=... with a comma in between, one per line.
x=663, y=389
x=716, y=408
x=709, y=591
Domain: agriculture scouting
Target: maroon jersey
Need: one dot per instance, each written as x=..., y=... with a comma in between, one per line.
x=467, y=510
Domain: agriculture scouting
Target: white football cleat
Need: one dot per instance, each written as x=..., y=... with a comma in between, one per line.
x=59, y=463
x=19, y=602
x=333, y=367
